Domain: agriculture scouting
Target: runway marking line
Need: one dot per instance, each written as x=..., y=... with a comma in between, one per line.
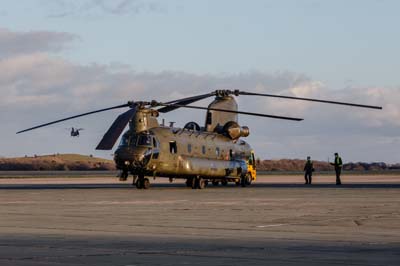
x=270, y=225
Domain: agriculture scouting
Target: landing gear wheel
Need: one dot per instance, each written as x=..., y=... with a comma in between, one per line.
x=142, y=182
x=215, y=182
x=194, y=183
x=146, y=183
x=201, y=183
x=224, y=182
x=243, y=180
x=139, y=183
x=248, y=179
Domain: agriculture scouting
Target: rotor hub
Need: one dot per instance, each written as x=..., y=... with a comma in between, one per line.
x=224, y=93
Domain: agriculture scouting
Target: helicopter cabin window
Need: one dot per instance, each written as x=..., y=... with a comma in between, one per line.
x=172, y=147
x=209, y=118
x=203, y=149
x=189, y=148
x=217, y=152
x=124, y=141
x=144, y=140
x=132, y=140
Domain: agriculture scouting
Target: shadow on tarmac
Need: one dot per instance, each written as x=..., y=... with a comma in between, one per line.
x=176, y=185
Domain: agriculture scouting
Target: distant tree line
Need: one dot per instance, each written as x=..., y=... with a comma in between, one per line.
x=298, y=165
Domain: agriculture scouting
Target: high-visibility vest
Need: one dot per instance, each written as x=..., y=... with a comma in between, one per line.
x=337, y=161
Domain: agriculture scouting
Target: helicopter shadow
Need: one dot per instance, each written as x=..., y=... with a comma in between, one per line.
x=329, y=186
x=183, y=186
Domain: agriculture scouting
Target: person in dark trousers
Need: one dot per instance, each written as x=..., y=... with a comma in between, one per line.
x=338, y=168
x=308, y=169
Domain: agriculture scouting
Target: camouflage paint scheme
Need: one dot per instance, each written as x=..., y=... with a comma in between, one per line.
x=150, y=149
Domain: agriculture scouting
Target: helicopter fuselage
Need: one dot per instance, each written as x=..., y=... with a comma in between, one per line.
x=183, y=153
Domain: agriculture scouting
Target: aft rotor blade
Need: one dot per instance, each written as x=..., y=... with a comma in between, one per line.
x=309, y=99
x=75, y=116
x=113, y=133
x=232, y=111
x=184, y=101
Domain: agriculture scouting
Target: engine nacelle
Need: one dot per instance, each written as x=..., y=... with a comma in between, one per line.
x=192, y=126
x=234, y=130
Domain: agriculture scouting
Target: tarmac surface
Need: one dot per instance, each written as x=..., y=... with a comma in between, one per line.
x=276, y=221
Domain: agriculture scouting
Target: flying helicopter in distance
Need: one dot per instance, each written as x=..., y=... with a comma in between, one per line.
x=74, y=131
x=215, y=152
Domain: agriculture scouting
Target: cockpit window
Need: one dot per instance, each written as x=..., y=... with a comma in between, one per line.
x=124, y=141
x=132, y=141
x=144, y=140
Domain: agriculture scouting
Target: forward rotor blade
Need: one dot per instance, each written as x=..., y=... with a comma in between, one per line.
x=75, y=116
x=309, y=99
x=113, y=133
x=184, y=101
x=231, y=111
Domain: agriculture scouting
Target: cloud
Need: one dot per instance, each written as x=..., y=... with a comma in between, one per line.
x=16, y=43
x=38, y=87
x=93, y=8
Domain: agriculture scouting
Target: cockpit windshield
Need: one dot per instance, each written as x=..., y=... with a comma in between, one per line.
x=144, y=140
x=136, y=140
x=124, y=141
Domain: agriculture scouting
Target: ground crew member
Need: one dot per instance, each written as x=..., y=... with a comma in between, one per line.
x=308, y=169
x=338, y=168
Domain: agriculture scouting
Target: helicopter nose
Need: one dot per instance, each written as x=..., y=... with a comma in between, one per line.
x=132, y=157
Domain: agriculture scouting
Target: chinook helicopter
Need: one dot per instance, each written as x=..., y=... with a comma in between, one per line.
x=214, y=152
x=74, y=131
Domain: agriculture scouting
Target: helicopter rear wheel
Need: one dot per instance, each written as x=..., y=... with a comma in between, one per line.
x=248, y=179
x=199, y=183
x=194, y=183
x=245, y=180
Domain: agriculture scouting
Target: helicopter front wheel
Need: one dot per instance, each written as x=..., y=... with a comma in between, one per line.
x=142, y=183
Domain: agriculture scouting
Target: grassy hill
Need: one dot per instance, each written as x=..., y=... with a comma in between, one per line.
x=298, y=165
x=77, y=162
x=63, y=162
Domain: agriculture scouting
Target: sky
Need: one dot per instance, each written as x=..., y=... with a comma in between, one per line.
x=59, y=58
